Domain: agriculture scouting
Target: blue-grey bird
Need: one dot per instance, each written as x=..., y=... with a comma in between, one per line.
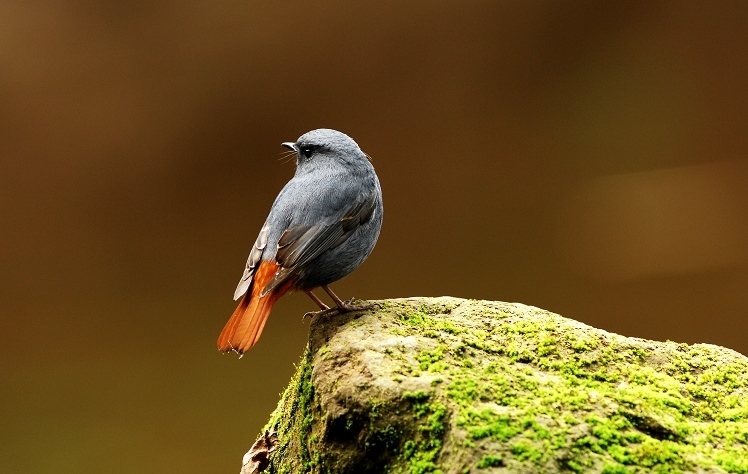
x=322, y=226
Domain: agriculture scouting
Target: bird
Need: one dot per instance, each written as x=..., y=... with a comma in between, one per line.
x=322, y=226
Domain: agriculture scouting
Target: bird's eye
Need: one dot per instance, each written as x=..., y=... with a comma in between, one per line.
x=307, y=152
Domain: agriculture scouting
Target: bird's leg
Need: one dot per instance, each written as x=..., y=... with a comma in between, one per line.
x=343, y=306
x=324, y=309
x=316, y=299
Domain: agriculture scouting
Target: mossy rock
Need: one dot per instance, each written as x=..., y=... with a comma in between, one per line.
x=445, y=385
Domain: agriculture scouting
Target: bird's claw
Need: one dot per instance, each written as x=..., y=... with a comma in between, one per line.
x=319, y=314
x=354, y=305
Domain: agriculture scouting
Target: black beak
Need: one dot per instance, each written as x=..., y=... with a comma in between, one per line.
x=290, y=145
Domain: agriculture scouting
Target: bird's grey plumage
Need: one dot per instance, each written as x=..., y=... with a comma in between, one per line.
x=326, y=220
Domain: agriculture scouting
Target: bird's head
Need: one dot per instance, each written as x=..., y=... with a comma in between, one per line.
x=326, y=148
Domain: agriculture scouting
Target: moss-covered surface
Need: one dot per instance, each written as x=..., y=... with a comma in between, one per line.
x=443, y=385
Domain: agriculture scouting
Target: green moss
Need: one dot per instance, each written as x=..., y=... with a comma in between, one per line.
x=421, y=453
x=589, y=370
x=490, y=461
x=616, y=469
x=421, y=319
x=293, y=421
x=428, y=360
x=524, y=450
x=733, y=461
x=487, y=423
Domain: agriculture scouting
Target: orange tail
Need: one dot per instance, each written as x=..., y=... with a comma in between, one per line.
x=245, y=325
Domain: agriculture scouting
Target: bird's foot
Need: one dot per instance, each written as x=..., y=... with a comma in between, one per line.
x=353, y=305
x=324, y=313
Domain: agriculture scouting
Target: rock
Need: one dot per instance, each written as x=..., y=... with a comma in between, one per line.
x=445, y=385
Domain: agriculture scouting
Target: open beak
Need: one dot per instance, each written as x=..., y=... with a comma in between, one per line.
x=290, y=145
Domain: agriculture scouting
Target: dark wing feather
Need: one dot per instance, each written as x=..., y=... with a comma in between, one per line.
x=302, y=244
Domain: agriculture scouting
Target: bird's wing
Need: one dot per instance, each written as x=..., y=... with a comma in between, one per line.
x=299, y=245
x=252, y=261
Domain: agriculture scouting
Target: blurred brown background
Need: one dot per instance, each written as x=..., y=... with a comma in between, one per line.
x=585, y=157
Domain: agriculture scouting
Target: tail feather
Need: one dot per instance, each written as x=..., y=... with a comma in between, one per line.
x=224, y=340
x=248, y=320
x=248, y=334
